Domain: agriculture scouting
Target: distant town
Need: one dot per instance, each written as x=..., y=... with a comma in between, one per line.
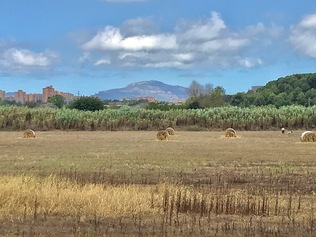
x=22, y=97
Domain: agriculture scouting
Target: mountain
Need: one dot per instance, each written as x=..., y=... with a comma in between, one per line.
x=157, y=89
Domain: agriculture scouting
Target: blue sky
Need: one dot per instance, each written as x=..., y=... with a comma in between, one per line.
x=88, y=46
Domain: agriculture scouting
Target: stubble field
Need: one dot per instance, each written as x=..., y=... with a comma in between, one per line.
x=130, y=184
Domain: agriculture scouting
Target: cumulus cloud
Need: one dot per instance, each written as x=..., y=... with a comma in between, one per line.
x=24, y=60
x=203, y=30
x=303, y=36
x=204, y=43
x=111, y=39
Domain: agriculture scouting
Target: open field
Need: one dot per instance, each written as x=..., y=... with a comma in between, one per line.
x=102, y=183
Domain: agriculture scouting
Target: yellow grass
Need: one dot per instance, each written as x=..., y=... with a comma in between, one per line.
x=69, y=174
x=60, y=197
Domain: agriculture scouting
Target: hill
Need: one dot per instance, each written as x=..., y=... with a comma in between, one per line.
x=157, y=89
x=299, y=89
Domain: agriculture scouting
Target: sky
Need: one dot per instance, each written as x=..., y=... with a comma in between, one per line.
x=86, y=46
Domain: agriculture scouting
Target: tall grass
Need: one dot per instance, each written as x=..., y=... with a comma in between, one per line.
x=255, y=118
x=29, y=195
x=25, y=196
x=157, y=210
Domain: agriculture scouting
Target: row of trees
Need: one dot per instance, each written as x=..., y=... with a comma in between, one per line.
x=298, y=89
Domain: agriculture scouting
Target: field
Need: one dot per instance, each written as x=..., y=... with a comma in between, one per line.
x=127, y=183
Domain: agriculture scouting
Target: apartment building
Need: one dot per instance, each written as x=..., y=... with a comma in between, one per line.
x=22, y=97
x=2, y=95
x=48, y=92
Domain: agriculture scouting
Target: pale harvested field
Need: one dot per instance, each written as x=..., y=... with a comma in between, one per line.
x=195, y=184
x=140, y=151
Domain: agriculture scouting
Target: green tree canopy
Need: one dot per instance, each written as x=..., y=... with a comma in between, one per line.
x=58, y=100
x=89, y=103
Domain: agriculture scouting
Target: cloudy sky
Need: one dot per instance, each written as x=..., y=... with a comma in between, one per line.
x=87, y=46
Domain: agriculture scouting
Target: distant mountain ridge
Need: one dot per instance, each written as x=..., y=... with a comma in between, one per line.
x=157, y=89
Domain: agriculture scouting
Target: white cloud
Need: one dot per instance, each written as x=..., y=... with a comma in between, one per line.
x=303, y=36
x=112, y=39
x=24, y=58
x=102, y=62
x=250, y=62
x=204, y=43
x=203, y=30
x=183, y=56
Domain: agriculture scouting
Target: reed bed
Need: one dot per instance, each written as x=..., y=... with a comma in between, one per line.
x=126, y=118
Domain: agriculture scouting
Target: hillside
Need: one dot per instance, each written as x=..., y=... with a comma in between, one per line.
x=159, y=90
x=298, y=89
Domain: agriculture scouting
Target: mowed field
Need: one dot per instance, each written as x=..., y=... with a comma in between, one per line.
x=128, y=183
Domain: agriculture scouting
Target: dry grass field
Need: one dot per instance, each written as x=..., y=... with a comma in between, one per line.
x=131, y=184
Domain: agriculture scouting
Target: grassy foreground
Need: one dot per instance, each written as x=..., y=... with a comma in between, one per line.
x=130, y=184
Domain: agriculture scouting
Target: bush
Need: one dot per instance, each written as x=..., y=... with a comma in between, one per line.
x=87, y=103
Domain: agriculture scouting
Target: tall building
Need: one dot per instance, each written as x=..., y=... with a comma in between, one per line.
x=20, y=96
x=34, y=97
x=68, y=96
x=2, y=95
x=48, y=92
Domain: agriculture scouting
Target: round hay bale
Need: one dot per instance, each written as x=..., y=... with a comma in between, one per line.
x=29, y=133
x=230, y=132
x=162, y=135
x=308, y=136
x=170, y=131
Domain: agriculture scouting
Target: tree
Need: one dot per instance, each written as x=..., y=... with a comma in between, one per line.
x=195, y=89
x=89, y=103
x=58, y=100
x=217, y=97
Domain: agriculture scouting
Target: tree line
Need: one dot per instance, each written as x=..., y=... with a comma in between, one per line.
x=297, y=89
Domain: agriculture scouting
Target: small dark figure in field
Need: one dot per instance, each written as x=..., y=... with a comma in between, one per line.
x=283, y=130
x=29, y=133
x=162, y=135
x=170, y=131
x=230, y=132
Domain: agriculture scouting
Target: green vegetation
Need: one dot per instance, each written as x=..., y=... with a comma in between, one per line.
x=127, y=118
x=206, y=96
x=298, y=89
x=87, y=103
x=57, y=100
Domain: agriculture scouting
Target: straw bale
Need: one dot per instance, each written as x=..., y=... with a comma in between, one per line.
x=170, y=131
x=29, y=133
x=162, y=135
x=230, y=132
x=308, y=136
